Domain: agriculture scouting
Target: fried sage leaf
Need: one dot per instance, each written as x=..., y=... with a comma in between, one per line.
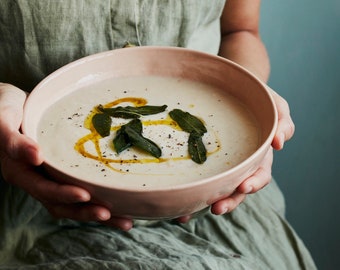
x=136, y=125
x=143, y=143
x=130, y=134
x=130, y=112
x=188, y=122
x=121, y=141
x=102, y=124
x=197, y=150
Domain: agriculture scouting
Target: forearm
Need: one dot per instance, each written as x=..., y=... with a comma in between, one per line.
x=246, y=49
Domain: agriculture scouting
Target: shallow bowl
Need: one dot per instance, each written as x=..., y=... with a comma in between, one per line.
x=165, y=192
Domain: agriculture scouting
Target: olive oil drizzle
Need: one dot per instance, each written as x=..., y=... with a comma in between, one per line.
x=94, y=138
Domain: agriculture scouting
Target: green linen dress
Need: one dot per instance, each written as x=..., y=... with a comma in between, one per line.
x=39, y=36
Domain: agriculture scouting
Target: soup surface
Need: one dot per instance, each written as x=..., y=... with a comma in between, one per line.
x=70, y=143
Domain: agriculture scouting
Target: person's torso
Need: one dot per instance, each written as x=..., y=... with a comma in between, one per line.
x=39, y=36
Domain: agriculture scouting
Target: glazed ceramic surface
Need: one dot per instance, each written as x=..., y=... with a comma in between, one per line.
x=235, y=107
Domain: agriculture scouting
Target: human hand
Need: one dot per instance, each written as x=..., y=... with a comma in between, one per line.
x=286, y=128
x=262, y=176
x=20, y=158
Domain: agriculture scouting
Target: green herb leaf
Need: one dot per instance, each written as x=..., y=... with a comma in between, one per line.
x=147, y=110
x=121, y=141
x=136, y=125
x=130, y=112
x=121, y=112
x=197, y=150
x=102, y=124
x=143, y=143
x=130, y=134
x=188, y=122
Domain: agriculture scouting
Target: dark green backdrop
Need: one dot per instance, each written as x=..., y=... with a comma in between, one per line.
x=303, y=41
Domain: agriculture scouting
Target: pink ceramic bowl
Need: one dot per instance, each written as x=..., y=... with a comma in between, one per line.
x=167, y=198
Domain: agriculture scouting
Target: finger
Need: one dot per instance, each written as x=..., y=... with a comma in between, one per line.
x=260, y=178
x=48, y=191
x=184, y=219
x=286, y=127
x=285, y=131
x=13, y=143
x=81, y=212
x=44, y=190
x=12, y=101
x=124, y=224
x=60, y=193
x=20, y=147
x=62, y=201
x=228, y=204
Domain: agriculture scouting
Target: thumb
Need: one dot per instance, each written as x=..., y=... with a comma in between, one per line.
x=13, y=144
x=285, y=127
x=21, y=147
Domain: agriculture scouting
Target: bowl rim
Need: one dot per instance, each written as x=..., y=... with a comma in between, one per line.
x=164, y=49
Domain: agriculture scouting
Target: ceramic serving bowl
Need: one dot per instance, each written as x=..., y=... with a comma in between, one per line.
x=134, y=184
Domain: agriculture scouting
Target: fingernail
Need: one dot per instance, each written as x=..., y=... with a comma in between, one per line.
x=103, y=215
x=84, y=197
x=224, y=210
x=248, y=190
x=126, y=226
x=281, y=140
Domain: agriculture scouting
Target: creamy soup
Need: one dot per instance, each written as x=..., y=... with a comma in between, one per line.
x=69, y=142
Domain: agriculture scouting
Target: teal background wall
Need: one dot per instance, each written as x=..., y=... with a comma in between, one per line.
x=303, y=41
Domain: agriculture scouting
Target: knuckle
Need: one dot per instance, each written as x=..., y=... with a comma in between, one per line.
x=9, y=145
